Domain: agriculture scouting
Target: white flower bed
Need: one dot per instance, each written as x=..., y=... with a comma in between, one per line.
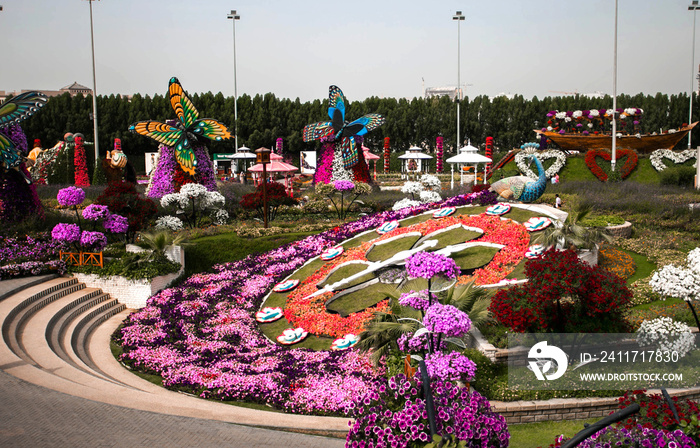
x=657, y=157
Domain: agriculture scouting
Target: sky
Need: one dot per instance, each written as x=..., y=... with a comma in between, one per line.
x=383, y=48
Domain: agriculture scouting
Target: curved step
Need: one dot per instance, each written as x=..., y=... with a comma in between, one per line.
x=54, y=337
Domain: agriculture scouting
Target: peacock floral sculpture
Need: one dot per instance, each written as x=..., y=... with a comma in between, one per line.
x=522, y=188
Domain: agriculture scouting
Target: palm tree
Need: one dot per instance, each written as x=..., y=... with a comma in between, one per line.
x=571, y=234
x=386, y=328
x=158, y=242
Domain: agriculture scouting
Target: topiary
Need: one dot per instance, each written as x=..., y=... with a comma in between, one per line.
x=122, y=199
x=276, y=197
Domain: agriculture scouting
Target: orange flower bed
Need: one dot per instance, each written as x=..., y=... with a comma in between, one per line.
x=616, y=261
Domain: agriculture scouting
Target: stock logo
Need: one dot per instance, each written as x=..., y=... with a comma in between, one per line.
x=543, y=358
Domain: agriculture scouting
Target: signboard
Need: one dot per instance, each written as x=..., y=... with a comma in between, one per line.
x=151, y=162
x=308, y=162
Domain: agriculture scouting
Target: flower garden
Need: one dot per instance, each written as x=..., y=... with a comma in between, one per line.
x=369, y=316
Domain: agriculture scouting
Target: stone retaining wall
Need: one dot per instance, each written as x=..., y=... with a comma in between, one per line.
x=557, y=409
x=621, y=231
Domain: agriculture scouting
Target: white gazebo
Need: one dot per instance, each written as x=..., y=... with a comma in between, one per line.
x=245, y=154
x=468, y=156
x=412, y=162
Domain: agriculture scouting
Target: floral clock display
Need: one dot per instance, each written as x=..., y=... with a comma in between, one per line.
x=537, y=223
x=498, y=209
x=628, y=157
x=656, y=157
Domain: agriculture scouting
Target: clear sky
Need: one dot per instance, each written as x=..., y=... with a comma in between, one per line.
x=297, y=48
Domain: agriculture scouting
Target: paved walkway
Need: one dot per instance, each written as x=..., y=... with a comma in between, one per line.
x=35, y=416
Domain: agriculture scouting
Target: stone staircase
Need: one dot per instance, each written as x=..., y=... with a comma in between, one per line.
x=56, y=334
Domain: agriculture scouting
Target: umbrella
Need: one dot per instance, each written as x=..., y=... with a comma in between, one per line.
x=369, y=155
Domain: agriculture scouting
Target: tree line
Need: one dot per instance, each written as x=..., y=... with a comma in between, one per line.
x=264, y=118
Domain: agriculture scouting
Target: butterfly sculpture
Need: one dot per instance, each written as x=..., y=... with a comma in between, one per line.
x=12, y=112
x=188, y=129
x=341, y=130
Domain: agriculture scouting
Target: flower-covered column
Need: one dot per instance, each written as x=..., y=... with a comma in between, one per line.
x=387, y=155
x=81, y=172
x=438, y=145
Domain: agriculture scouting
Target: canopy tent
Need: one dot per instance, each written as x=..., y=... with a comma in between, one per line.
x=275, y=166
x=369, y=156
x=412, y=162
x=467, y=156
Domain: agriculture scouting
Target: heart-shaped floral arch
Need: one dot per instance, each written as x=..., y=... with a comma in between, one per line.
x=521, y=161
x=656, y=157
x=629, y=164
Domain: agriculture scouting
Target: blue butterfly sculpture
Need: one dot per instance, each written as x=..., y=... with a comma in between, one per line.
x=341, y=130
x=12, y=112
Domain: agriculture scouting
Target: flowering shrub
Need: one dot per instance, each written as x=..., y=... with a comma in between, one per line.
x=276, y=197
x=428, y=265
x=633, y=438
x=666, y=334
x=70, y=197
x=123, y=199
x=342, y=187
x=596, y=300
x=679, y=281
x=426, y=189
x=41, y=247
x=655, y=412
x=395, y=415
x=193, y=203
x=87, y=240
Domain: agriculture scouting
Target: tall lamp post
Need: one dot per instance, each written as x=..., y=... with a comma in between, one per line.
x=458, y=17
x=614, y=117
x=233, y=16
x=693, y=8
x=94, y=87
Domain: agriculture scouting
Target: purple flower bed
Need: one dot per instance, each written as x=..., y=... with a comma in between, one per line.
x=41, y=247
x=395, y=416
x=202, y=336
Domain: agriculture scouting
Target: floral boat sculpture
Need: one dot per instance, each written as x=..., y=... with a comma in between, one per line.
x=642, y=143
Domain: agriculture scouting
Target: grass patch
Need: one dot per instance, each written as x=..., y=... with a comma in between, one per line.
x=383, y=251
x=542, y=434
x=352, y=302
x=474, y=257
x=346, y=271
x=455, y=236
x=644, y=267
x=520, y=214
x=227, y=247
x=519, y=271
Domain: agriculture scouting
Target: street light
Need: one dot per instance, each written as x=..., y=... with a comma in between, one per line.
x=94, y=87
x=614, y=117
x=235, y=17
x=693, y=8
x=458, y=17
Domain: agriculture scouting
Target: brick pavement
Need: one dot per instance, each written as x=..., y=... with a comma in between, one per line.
x=32, y=416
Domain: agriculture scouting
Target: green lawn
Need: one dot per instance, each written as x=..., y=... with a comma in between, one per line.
x=542, y=434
